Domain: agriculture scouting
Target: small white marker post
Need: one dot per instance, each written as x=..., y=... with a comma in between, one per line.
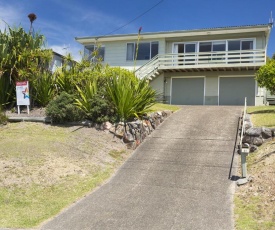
x=244, y=153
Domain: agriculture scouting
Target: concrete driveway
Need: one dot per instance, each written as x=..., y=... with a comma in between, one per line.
x=177, y=179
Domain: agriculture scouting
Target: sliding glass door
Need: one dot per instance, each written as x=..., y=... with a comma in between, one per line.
x=186, y=53
x=238, y=51
x=214, y=52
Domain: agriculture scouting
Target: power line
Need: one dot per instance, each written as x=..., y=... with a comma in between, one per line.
x=139, y=16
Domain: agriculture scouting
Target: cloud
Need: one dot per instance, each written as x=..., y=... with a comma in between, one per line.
x=60, y=23
x=10, y=15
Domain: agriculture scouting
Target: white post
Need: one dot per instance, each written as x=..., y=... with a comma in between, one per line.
x=244, y=148
x=244, y=153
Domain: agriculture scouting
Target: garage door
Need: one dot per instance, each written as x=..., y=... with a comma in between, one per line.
x=187, y=91
x=233, y=90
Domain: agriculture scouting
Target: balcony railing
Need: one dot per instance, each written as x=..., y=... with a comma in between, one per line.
x=202, y=60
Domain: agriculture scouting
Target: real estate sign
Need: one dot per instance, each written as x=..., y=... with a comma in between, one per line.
x=22, y=93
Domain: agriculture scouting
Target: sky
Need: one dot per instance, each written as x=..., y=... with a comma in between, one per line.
x=61, y=21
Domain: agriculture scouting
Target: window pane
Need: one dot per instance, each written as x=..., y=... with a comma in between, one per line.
x=181, y=48
x=88, y=51
x=130, y=52
x=219, y=46
x=101, y=53
x=92, y=53
x=190, y=48
x=234, y=56
x=143, y=51
x=189, y=59
x=217, y=54
x=234, y=45
x=205, y=47
x=154, y=49
x=247, y=45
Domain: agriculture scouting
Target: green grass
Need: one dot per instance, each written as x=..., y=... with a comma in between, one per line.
x=29, y=206
x=161, y=107
x=251, y=211
x=44, y=169
x=248, y=216
x=116, y=154
x=262, y=115
x=245, y=214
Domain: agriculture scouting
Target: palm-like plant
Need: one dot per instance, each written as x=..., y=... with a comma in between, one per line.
x=132, y=97
x=85, y=96
x=43, y=88
x=6, y=91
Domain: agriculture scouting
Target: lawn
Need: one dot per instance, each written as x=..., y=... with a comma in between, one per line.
x=262, y=115
x=45, y=168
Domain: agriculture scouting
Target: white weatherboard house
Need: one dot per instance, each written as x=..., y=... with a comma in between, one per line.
x=193, y=67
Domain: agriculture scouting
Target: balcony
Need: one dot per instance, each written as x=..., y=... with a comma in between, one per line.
x=204, y=61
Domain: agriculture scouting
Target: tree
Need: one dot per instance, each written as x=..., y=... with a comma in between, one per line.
x=22, y=57
x=265, y=76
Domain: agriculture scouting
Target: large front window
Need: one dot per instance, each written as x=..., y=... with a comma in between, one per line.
x=94, y=53
x=214, y=51
x=214, y=46
x=144, y=51
x=240, y=45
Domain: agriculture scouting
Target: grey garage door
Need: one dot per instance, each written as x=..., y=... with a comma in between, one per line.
x=187, y=91
x=233, y=90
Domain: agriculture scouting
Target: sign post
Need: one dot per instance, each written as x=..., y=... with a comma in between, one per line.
x=23, y=95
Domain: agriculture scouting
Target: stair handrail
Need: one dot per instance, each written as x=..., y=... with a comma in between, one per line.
x=153, y=63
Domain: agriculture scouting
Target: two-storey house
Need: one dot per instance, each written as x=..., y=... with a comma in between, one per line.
x=214, y=66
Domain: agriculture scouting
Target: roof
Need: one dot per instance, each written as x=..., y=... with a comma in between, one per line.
x=58, y=54
x=177, y=33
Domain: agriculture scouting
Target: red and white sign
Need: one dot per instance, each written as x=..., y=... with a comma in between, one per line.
x=22, y=93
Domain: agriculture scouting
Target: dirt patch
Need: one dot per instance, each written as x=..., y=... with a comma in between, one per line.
x=34, y=112
x=45, y=155
x=258, y=196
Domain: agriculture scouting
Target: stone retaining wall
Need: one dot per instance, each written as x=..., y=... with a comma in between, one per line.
x=256, y=136
x=134, y=133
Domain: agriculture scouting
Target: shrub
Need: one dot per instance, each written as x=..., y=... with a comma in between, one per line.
x=65, y=80
x=94, y=104
x=62, y=109
x=7, y=92
x=101, y=110
x=3, y=117
x=131, y=97
x=43, y=89
x=85, y=95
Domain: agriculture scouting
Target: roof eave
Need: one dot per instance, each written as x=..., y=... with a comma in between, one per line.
x=173, y=34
